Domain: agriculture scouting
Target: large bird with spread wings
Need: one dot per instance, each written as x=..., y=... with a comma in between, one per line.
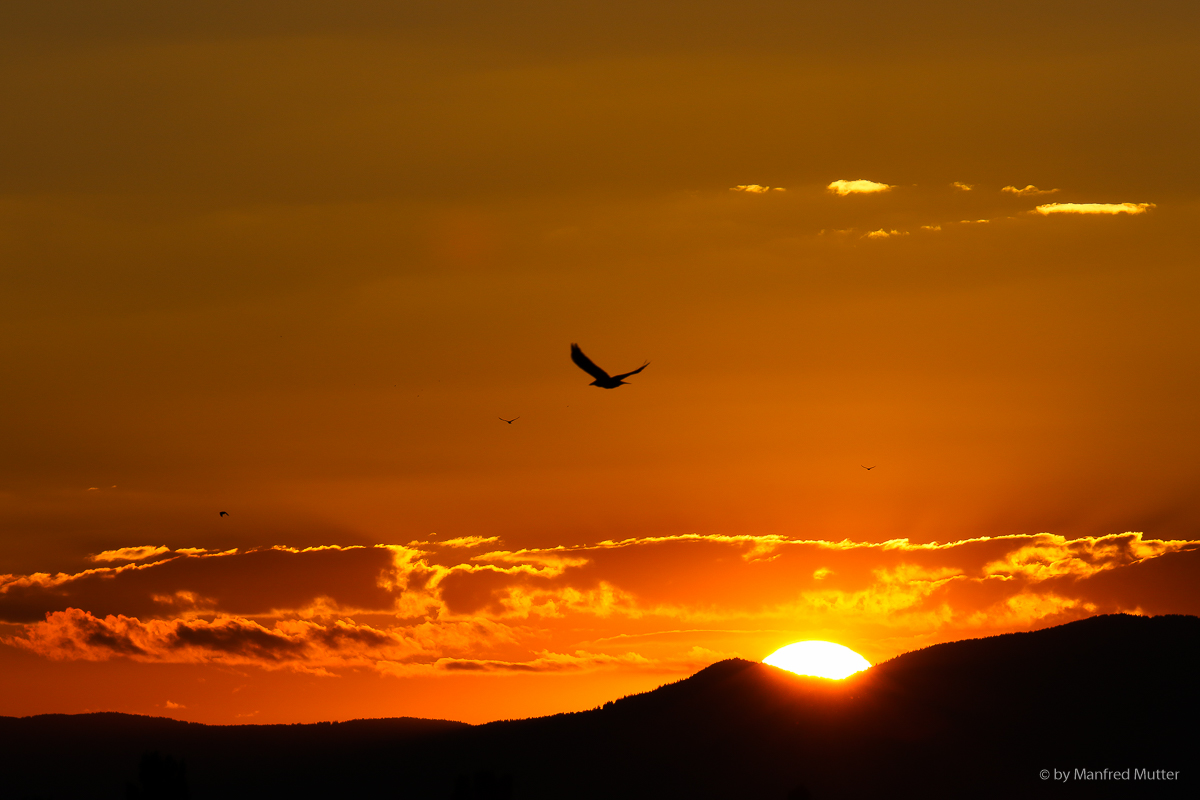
x=603, y=379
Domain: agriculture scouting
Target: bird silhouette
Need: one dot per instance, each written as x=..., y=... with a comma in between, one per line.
x=603, y=379
x=868, y=469
x=223, y=514
x=509, y=421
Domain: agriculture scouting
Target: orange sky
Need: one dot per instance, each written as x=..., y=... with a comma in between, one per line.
x=293, y=263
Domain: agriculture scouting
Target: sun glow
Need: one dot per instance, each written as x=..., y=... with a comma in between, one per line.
x=822, y=659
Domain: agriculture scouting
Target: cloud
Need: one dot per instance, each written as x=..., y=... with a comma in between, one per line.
x=931, y=227
x=131, y=553
x=1045, y=556
x=298, y=645
x=964, y=187
x=844, y=188
x=1094, y=208
x=884, y=234
x=1027, y=191
x=754, y=188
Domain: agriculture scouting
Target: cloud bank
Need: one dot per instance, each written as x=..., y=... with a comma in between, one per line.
x=430, y=608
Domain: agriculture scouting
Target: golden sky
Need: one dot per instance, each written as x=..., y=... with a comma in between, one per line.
x=293, y=261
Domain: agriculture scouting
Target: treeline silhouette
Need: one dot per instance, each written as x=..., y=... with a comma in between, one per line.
x=978, y=718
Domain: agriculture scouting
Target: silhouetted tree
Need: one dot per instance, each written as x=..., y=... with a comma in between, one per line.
x=161, y=778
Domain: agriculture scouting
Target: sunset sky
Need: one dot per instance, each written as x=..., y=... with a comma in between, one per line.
x=294, y=260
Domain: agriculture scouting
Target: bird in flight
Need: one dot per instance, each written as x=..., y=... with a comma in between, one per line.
x=509, y=421
x=603, y=379
x=223, y=514
x=868, y=469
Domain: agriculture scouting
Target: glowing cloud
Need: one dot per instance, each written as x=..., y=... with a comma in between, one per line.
x=467, y=541
x=1094, y=208
x=843, y=188
x=754, y=188
x=964, y=187
x=131, y=553
x=1028, y=190
x=884, y=234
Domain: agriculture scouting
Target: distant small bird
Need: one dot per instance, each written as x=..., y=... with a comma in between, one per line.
x=603, y=379
x=509, y=421
x=223, y=514
x=873, y=466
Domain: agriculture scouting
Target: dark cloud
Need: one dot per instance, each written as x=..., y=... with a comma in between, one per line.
x=236, y=638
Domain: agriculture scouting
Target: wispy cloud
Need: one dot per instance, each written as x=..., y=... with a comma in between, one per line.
x=754, y=188
x=931, y=227
x=964, y=187
x=1094, y=208
x=546, y=662
x=1027, y=191
x=884, y=234
x=844, y=188
x=467, y=541
x=131, y=553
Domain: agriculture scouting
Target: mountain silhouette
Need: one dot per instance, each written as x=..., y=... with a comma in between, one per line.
x=974, y=718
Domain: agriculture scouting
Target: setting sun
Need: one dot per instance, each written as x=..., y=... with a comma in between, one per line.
x=822, y=659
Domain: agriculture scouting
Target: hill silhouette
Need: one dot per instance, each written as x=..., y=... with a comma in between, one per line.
x=975, y=718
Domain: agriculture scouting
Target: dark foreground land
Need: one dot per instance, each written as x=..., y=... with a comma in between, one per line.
x=976, y=718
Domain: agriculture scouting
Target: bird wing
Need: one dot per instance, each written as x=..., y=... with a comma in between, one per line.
x=627, y=374
x=586, y=364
